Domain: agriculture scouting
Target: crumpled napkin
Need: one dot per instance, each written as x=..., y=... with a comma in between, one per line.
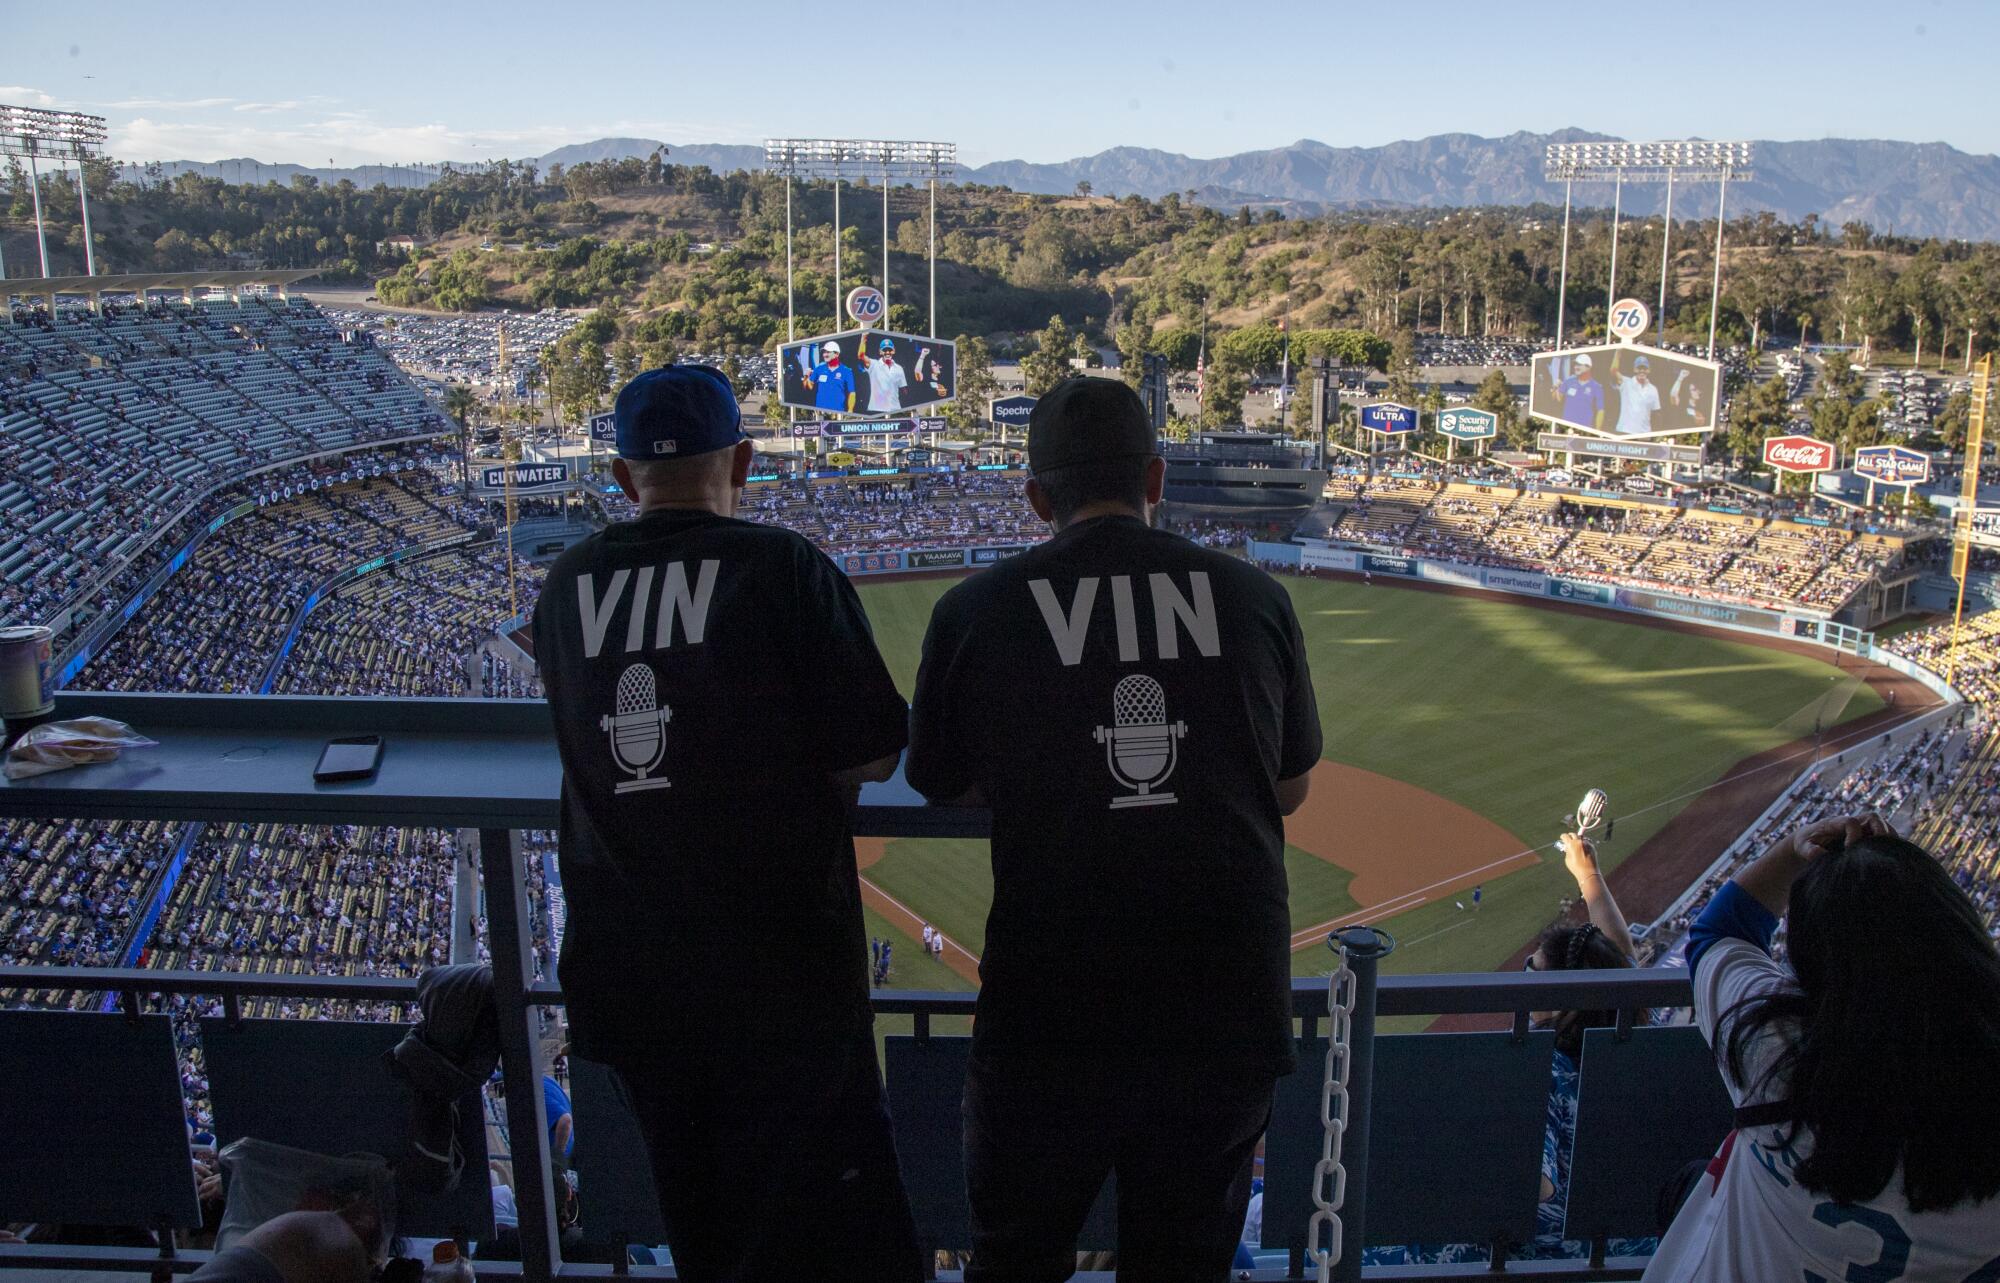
x=57, y=746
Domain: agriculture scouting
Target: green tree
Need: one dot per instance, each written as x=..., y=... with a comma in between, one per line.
x=1048, y=363
x=976, y=385
x=459, y=403
x=1224, y=386
x=1134, y=345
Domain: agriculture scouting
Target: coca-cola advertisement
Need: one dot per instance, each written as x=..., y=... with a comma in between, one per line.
x=1798, y=454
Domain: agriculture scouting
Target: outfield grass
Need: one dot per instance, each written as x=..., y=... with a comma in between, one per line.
x=1509, y=711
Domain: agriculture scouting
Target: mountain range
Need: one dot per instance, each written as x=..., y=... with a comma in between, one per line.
x=1924, y=189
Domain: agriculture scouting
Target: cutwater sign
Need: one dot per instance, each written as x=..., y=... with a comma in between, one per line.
x=1468, y=425
x=525, y=476
x=1893, y=465
x=1389, y=417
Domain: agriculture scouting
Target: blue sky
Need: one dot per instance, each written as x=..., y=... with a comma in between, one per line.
x=439, y=79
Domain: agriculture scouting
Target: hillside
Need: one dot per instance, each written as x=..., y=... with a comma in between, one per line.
x=1918, y=189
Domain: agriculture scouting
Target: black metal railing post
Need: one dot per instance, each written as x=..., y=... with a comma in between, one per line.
x=527, y=1124
x=1365, y=948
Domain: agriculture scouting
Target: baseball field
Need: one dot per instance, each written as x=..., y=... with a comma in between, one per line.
x=1460, y=728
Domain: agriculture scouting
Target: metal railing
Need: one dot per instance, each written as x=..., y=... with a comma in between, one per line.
x=249, y=758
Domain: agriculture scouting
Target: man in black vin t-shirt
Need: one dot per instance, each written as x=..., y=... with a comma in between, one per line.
x=718, y=698
x=1136, y=711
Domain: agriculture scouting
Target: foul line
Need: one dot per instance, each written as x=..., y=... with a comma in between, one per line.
x=1411, y=899
x=950, y=944
x=1313, y=934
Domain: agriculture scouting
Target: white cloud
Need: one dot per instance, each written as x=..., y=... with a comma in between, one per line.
x=168, y=104
x=22, y=96
x=355, y=138
x=267, y=108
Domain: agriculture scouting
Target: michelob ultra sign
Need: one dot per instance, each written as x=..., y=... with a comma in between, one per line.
x=1387, y=416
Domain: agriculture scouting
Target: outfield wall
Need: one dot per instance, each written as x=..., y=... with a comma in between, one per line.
x=1535, y=583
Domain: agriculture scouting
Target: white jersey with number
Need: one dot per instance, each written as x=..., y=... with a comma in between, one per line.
x=1636, y=403
x=1750, y=1221
x=886, y=382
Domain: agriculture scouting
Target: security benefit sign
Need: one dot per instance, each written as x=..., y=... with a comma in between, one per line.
x=1893, y=465
x=867, y=372
x=1798, y=454
x=1389, y=418
x=525, y=476
x=1625, y=390
x=1468, y=425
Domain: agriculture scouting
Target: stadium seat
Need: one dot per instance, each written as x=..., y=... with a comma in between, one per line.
x=323, y=1085
x=613, y=1173
x=1455, y=1140
x=1646, y=1105
x=95, y=1124
x=926, y=1083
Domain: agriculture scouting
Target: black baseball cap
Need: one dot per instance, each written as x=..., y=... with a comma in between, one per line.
x=1088, y=420
x=677, y=411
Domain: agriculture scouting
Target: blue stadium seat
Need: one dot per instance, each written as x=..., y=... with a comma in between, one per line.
x=926, y=1082
x=324, y=1085
x=1646, y=1106
x=614, y=1176
x=1456, y=1140
x=96, y=1130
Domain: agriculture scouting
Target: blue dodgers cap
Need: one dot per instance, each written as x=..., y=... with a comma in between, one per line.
x=675, y=412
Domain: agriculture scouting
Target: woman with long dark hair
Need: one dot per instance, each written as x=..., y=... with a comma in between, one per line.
x=1866, y=1072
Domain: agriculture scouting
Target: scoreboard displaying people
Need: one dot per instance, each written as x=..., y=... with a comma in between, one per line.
x=1625, y=390
x=867, y=372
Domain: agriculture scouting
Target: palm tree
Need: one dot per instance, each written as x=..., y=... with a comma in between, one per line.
x=459, y=403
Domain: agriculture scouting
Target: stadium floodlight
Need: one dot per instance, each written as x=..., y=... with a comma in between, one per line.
x=838, y=158
x=36, y=133
x=1619, y=163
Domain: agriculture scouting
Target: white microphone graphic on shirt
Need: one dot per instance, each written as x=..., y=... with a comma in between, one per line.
x=638, y=729
x=1141, y=748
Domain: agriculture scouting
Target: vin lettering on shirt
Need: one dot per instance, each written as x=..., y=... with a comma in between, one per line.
x=1172, y=611
x=677, y=600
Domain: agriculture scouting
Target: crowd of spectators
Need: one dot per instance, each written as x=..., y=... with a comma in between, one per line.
x=217, y=624
x=415, y=630
x=920, y=510
x=204, y=394
x=1518, y=525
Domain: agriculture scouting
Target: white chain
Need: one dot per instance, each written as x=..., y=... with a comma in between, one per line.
x=1329, y=1177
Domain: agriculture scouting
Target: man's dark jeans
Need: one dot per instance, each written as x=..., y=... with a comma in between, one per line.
x=774, y=1166
x=1039, y=1141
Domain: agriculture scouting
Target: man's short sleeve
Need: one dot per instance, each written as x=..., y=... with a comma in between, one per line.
x=1300, y=748
x=939, y=767
x=853, y=711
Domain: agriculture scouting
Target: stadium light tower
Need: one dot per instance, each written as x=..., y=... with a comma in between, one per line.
x=1657, y=162
x=836, y=158
x=34, y=133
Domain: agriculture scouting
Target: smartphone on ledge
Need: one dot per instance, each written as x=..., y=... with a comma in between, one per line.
x=353, y=758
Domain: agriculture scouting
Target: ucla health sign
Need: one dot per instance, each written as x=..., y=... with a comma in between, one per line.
x=1468, y=425
x=525, y=476
x=1389, y=418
